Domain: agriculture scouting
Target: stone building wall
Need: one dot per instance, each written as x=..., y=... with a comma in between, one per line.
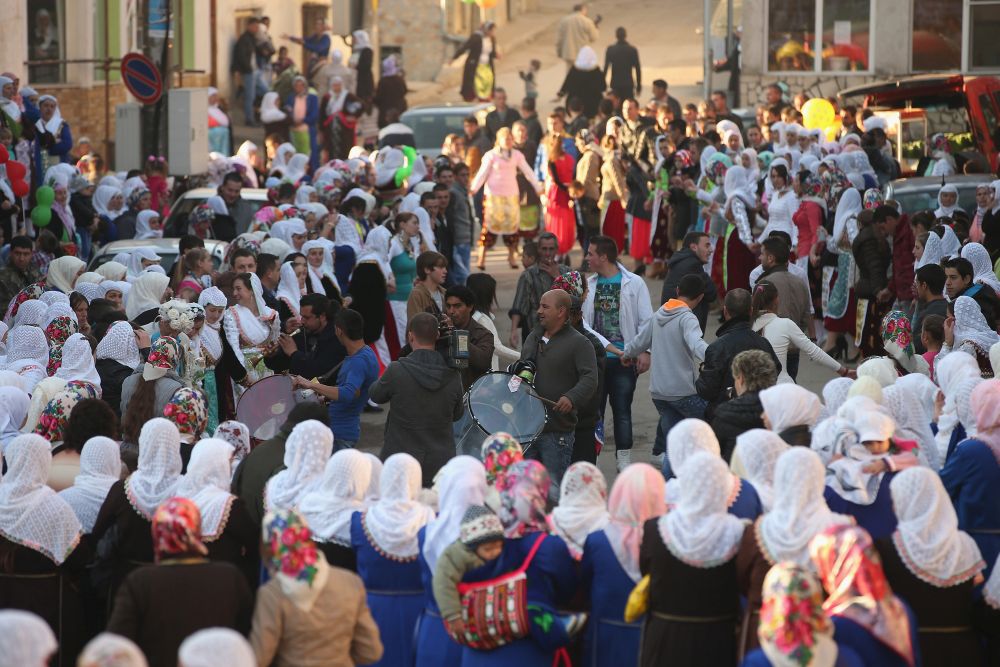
x=83, y=109
x=414, y=26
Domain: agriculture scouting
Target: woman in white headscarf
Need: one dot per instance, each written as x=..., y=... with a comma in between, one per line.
x=982, y=267
x=839, y=301
x=385, y=539
x=112, y=271
x=111, y=650
x=329, y=506
x=63, y=272
x=131, y=503
x=911, y=422
x=834, y=395
x=284, y=153
x=287, y=230
x=14, y=405
x=798, y=513
x=321, y=277
x=790, y=411
x=220, y=139
x=947, y=201
x=52, y=132
x=584, y=81
x=970, y=334
x=754, y=458
x=582, y=508
x=142, y=304
x=290, y=289
x=249, y=326
x=32, y=313
x=307, y=450
x=934, y=566
x=737, y=258
x=100, y=468
x=117, y=357
x=248, y=157
x=35, y=644
x=148, y=225
x=33, y=518
x=690, y=554
x=209, y=341
x=690, y=436
x=28, y=354
x=215, y=646
x=78, y=362
x=139, y=260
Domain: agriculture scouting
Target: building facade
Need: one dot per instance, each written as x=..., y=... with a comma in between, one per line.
x=822, y=46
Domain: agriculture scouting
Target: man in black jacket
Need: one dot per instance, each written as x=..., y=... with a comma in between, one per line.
x=501, y=116
x=245, y=63
x=315, y=350
x=692, y=259
x=621, y=58
x=734, y=336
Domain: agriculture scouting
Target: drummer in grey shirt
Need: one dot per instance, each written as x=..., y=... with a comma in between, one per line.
x=566, y=375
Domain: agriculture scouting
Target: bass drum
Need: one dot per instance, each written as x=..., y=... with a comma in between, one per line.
x=265, y=405
x=496, y=402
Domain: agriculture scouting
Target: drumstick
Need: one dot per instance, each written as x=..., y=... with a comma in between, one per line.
x=542, y=399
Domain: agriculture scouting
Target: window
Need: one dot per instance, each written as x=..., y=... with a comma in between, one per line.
x=819, y=35
x=937, y=35
x=114, y=42
x=984, y=25
x=45, y=40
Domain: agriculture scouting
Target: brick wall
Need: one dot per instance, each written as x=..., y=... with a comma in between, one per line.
x=83, y=109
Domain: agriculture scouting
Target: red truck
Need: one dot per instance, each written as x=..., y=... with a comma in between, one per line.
x=965, y=108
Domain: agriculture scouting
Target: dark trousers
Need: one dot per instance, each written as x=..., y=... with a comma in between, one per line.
x=585, y=444
x=792, y=362
x=619, y=385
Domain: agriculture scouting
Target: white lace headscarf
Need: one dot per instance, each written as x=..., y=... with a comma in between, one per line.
x=912, y=423
x=215, y=646
x=28, y=639
x=31, y=313
x=582, y=508
x=460, y=483
x=32, y=514
x=971, y=326
x=834, y=394
x=757, y=452
x=340, y=493
x=799, y=512
x=28, y=354
x=159, y=470
x=146, y=294
x=698, y=530
x=78, y=361
x=372, y=493
x=112, y=271
x=288, y=288
x=206, y=484
x=110, y=650
x=307, y=451
x=63, y=271
x=951, y=372
x=982, y=267
x=927, y=536
x=100, y=468
x=881, y=369
x=393, y=521
x=120, y=344
x=788, y=405
x=687, y=437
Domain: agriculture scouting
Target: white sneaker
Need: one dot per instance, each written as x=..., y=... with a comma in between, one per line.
x=624, y=457
x=656, y=460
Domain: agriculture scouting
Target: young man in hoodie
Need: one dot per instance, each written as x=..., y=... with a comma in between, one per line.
x=690, y=260
x=617, y=307
x=424, y=397
x=677, y=346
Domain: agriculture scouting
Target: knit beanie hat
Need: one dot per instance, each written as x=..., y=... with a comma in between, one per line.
x=479, y=525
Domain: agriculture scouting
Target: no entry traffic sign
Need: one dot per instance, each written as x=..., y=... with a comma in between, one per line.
x=142, y=78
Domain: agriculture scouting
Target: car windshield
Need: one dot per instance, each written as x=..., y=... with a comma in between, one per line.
x=430, y=129
x=913, y=201
x=183, y=207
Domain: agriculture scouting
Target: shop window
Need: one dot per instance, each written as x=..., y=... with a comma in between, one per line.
x=46, y=40
x=984, y=26
x=937, y=35
x=819, y=35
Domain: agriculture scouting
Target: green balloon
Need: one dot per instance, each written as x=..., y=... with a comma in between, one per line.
x=45, y=195
x=41, y=215
x=404, y=172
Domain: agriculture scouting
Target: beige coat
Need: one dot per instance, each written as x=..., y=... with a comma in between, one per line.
x=612, y=183
x=338, y=631
x=575, y=32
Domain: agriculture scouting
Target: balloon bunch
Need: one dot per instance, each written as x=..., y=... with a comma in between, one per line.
x=42, y=213
x=819, y=114
x=15, y=174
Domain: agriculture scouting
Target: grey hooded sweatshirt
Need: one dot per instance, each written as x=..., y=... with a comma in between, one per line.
x=424, y=397
x=673, y=337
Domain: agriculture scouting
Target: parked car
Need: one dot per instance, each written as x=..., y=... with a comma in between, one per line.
x=920, y=193
x=431, y=124
x=181, y=209
x=167, y=249
x=966, y=109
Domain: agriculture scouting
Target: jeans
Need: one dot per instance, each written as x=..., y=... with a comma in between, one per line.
x=619, y=384
x=249, y=95
x=460, y=259
x=555, y=451
x=671, y=412
x=344, y=443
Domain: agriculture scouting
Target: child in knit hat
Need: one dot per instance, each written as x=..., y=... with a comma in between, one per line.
x=481, y=540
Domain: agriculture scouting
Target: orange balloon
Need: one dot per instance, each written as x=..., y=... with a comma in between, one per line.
x=486, y=4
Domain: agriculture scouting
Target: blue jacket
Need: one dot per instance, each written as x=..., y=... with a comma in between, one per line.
x=60, y=149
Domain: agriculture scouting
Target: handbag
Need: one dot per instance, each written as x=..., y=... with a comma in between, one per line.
x=495, y=611
x=638, y=601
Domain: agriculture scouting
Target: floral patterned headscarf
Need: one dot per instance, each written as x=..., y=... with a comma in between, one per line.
x=794, y=631
x=133, y=198
x=162, y=358
x=55, y=415
x=683, y=159
x=29, y=293
x=291, y=556
x=851, y=570
x=896, y=329
x=873, y=198
x=236, y=434
x=500, y=451
x=188, y=411
x=835, y=182
x=812, y=186
x=570, y=282
x=201, y=219
x=718, y=165
x=523, y=499
x=177, y=529
x=57, y=332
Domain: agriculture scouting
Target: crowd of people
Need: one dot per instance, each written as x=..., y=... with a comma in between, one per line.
x=142, y=522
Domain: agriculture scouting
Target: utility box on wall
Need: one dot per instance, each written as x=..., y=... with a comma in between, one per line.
x=128, y=134
x=187, y=130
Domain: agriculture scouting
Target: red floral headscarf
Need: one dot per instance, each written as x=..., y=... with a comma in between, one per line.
x=177, y=529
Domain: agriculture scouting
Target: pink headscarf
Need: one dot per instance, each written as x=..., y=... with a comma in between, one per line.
x=985, y=405
x=636, y=497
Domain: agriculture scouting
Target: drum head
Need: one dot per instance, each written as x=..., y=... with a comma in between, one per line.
x=265, y=405
x=503, y=402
